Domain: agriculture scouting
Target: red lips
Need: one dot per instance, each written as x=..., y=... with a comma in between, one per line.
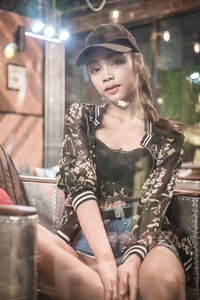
x=112, y=89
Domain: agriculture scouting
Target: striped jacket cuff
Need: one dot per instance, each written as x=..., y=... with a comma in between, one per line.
x=82, y=197
x=63, y=236
x=139, y=250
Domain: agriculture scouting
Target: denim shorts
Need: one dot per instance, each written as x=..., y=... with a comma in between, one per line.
x=118, y=232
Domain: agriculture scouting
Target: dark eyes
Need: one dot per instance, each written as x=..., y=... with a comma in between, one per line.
x=93, y=70
x=114, y=62
x=117, y=61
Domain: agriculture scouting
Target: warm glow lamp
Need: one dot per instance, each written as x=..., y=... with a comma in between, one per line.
x=10, y=50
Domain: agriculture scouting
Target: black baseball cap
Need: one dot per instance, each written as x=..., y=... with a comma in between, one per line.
x=111, y=36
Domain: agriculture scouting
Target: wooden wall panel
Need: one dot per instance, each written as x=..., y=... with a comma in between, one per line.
x=22, y=138
x=29, y=100
x=21, y=112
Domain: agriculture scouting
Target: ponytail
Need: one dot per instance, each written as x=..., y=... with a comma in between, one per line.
x=161, y=125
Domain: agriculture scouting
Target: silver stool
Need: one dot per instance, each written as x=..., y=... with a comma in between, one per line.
x=18, y=226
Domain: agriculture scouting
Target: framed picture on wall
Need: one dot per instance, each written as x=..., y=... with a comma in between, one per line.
x=16, y=77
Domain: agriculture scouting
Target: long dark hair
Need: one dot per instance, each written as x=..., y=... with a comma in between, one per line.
x=161, y=125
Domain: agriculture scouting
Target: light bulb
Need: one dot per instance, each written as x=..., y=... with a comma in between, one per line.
x=115, y=14
x=166, y=36
x=49, y=31
x=64, y=35
x=10, y=50
x=197, y=47
x=37, y=26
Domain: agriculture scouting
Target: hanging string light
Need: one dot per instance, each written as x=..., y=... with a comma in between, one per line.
x=166, y=36
x=115, y=14
x=96, y=9
x=196, y=47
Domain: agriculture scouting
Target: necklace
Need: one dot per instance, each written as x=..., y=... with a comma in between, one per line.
x=122, y=103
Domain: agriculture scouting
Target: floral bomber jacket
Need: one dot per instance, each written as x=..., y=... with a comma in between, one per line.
x=77, y=177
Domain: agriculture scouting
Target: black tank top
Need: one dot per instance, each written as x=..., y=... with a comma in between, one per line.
x=121, y=174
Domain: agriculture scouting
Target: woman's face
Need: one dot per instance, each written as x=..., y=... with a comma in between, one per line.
x=113, y=74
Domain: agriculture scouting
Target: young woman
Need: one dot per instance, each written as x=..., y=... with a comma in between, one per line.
x=118, y=168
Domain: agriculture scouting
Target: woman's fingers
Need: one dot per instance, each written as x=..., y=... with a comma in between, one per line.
x=109, y=276
x=133, y=288
x=111, y=292
x=123, y=283
x=115, y=292
x=128, y=277
x=107, y=293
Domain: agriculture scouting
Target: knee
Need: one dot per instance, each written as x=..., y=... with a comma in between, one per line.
x=172, y=279
x=154, y=274
x=87, y=286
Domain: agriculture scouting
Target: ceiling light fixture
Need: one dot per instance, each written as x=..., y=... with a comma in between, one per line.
x=48, y=33
x=42, y=37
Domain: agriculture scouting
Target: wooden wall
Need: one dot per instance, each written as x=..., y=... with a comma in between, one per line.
x=21, y=112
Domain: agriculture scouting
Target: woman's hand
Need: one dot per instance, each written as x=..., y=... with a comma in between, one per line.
x=96, y=236
x=128, y=278
x=108, y=272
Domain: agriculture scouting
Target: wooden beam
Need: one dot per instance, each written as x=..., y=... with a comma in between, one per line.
x=136, y=12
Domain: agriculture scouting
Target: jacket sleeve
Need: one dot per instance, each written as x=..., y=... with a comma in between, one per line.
x=77, y=175
x=155, y=198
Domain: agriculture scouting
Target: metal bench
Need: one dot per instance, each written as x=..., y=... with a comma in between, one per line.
x=43, y=194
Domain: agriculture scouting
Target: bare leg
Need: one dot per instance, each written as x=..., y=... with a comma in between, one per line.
x=61, y=272
x=161, y=276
